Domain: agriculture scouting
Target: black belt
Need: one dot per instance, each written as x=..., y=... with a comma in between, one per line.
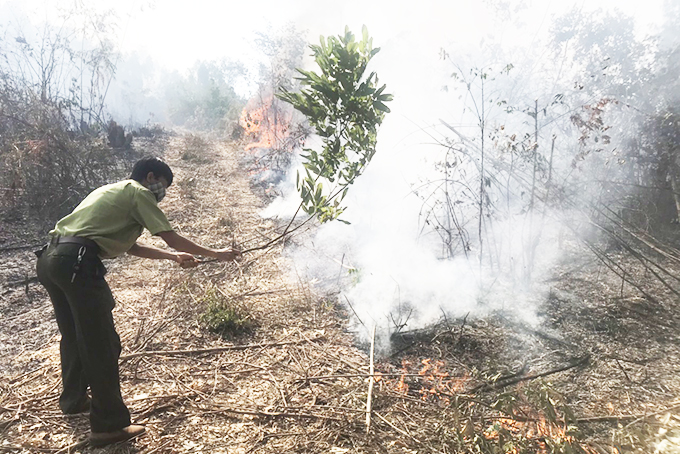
x=75, y=240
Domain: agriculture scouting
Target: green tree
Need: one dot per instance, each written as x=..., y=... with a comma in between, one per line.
x=345, y=107
x=205, y=98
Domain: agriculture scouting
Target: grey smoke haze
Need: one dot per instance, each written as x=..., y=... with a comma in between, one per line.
x=397, y=257
x=399, y=270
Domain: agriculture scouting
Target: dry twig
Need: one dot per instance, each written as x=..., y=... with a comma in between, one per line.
x=489, y=386
x=371, y=380
x=199, y=351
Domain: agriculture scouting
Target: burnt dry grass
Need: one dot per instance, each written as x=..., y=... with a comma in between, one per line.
x=607, y=350
x=296, y=381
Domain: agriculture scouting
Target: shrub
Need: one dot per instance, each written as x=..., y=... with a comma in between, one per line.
x=224, y=317
x=46, y=167
x=53, y=135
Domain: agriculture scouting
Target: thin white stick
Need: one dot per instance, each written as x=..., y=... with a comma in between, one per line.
x=369, y=399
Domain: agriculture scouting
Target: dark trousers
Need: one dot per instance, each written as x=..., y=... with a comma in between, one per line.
x=90, y=346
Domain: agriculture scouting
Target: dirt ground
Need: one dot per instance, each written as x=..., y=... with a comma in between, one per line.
x=295, y=380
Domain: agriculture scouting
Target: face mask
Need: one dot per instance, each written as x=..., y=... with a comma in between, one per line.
x=158, y=190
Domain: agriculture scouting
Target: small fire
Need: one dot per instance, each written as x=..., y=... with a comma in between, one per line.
x=538, y=430
x=441, y=381
x=265, y=124
x=434, y=383
x=401, y=386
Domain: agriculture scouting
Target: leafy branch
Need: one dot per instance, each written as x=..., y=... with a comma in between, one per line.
x=345, y=107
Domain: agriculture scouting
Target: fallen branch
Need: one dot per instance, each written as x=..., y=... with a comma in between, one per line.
x=674, y=406
x=26, y=449
x=355, y=312
x=144, y=416
x=396, y=428
x=633, y=418
x=639, y=362
x=374, y=375
x=327, y=408
x=48, y=393
x=163, y=446
x=490, y=386
x=614, y=419
x=327, y=353
x=611, y=264
x=268, y=414
x=282, y=434
x=200, y=351
x=4, y=425
x=642, y=259
x=287, y=231
x=22, y=376
x=658, y=249
x=27, y=280
x=23, y=246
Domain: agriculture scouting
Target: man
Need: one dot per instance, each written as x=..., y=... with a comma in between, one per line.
x=106, y=224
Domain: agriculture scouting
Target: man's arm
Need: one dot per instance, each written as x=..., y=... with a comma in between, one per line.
x=179, y=243
x=150, y=252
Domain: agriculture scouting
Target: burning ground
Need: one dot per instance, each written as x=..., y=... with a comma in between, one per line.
x=283, y=372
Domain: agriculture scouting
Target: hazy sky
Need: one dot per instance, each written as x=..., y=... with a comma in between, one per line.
x=176, y=33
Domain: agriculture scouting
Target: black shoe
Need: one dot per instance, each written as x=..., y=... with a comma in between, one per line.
x=124, y=434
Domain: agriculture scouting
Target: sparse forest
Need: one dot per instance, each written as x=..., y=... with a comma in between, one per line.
x=534, y=309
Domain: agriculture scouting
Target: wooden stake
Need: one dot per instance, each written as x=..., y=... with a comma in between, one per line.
x=369, y=399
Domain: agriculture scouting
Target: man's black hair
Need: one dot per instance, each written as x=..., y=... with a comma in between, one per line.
x=151, y=164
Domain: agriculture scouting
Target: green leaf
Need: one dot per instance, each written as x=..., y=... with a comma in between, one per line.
x=345, y=108
x=380, y=106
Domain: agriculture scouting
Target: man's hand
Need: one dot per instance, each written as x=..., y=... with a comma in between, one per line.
x=179, y=243
x=186, y=260
x=227, y=254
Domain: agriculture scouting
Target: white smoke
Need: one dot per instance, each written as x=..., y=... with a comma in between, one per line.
x=391, y=274
x=387, y=266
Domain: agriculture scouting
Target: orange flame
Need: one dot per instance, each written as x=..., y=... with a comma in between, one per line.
x=440, y=385
x=401, y=386
x=266, y=125
x=536, y=430
x=439, y=381
x=435, y=381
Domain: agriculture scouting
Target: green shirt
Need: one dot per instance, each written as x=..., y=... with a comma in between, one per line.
x=114, y=216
